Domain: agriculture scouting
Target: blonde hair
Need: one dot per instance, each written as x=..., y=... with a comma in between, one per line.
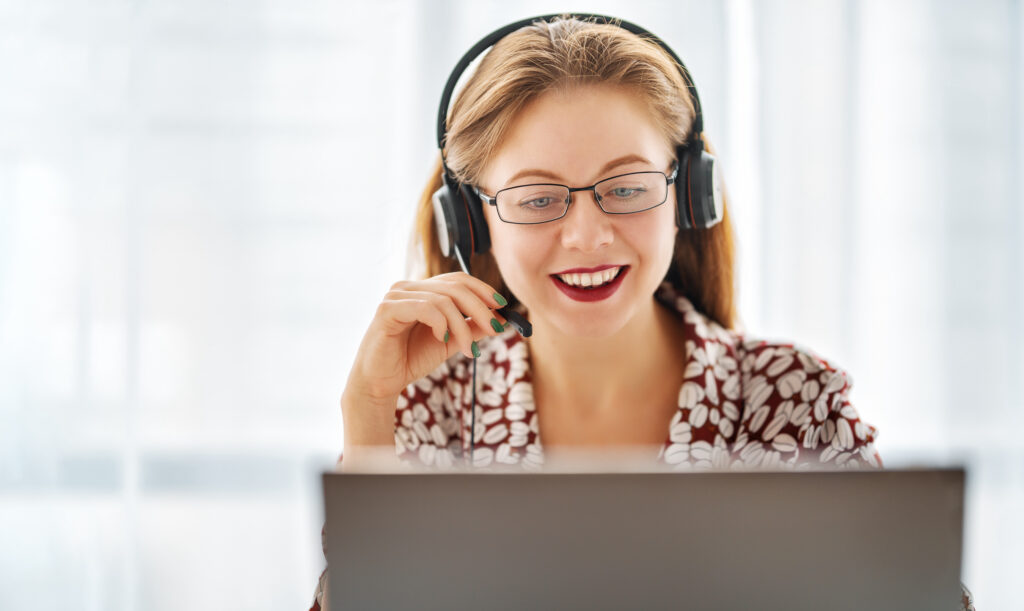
x=564, y=53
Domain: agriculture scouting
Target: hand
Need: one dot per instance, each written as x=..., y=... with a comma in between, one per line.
x=417, y=326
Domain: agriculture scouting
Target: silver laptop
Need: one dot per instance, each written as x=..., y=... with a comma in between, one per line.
x=888, y=539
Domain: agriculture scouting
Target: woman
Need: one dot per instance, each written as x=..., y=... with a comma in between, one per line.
x=633, y=340
x=653, y=362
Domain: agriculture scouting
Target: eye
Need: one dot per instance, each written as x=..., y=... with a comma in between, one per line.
x=626, y=192
x=537, y=203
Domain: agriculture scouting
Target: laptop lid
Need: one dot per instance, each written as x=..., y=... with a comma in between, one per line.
x=888, y=539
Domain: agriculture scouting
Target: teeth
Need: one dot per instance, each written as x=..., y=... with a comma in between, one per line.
x=588, y=280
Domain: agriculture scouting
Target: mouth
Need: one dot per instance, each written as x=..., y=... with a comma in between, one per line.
x=595, y=285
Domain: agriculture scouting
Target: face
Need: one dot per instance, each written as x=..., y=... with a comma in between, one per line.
x=577, y=137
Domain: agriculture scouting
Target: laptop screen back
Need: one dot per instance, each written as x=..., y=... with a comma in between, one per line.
x=885, y=539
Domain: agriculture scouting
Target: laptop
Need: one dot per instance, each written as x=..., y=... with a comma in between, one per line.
x=837, y=540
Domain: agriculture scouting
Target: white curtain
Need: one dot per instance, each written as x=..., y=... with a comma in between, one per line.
x=202, y=203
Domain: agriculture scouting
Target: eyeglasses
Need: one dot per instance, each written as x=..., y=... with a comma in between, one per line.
x=543, y=203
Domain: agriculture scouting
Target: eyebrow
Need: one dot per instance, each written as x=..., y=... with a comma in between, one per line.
x=614, y=163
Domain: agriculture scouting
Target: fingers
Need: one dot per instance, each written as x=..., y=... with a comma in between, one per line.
x=472, y=305
x=439, y=312
x=483, y=291
x=466, y=303
x=410, y=308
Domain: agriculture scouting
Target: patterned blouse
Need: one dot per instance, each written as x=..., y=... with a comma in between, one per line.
x=744, y=403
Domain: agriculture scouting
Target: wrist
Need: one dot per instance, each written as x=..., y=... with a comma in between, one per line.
x=368, y=420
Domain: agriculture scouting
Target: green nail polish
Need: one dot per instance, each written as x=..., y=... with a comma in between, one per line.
x=496, y=325
x=501, y=300
x=476, y=350
x=446, y=337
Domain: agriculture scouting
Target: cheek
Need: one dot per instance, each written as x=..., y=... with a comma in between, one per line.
x=654, y=236
x=667, y=223
x=668, y=245
x=518, y=250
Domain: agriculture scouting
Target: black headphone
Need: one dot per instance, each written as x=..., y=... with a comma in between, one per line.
x=458, y=213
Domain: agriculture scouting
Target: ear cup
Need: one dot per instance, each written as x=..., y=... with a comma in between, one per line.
x=451, y=221
x=699, y=202
x=684, y=218
x=481, y=237
x=459, y=221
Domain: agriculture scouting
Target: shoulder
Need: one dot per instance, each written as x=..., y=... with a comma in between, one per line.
x=797, y=410
x=794, y=370
x=752, y=402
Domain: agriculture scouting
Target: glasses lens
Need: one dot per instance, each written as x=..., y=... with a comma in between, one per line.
x=532, y=203
x=632, y=192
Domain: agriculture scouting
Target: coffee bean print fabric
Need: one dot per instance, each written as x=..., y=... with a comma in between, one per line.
x=744, y=404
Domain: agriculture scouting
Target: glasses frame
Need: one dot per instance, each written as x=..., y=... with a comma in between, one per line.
x=492, y=200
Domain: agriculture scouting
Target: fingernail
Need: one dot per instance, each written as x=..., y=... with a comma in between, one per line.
x=496, y=325
x=446, y=337
x=501, y=300
x=476, y=350
x=506, y=325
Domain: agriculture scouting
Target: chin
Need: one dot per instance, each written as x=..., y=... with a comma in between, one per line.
x=589, y=326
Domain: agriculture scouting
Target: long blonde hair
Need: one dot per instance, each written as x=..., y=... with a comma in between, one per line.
x=562, y=53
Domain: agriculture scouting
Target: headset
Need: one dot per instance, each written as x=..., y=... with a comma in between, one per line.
x=458, y=212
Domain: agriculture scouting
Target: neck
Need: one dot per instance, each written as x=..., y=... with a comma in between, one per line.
x=594, y=375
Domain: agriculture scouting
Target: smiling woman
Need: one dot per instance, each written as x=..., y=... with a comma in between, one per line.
x=576, y=184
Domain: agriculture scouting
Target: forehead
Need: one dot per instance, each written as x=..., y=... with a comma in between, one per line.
x=573, y=132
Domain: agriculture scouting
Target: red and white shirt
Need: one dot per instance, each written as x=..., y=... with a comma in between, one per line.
x=745, y=403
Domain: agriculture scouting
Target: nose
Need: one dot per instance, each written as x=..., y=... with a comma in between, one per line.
x=585, y=226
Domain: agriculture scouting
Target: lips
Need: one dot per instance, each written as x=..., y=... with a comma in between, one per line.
x=586, y=270
x=590, y=284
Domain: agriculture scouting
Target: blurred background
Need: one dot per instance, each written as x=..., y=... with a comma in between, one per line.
x=202, y=202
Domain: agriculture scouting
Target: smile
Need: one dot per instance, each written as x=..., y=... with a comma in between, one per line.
x=591, y=286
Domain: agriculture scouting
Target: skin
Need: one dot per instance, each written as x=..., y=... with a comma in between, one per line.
x=588, y=357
